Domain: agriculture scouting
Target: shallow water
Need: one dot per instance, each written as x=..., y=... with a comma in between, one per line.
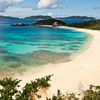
x=31, y=46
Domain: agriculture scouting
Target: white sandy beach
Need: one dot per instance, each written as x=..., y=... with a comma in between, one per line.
x=84, y=69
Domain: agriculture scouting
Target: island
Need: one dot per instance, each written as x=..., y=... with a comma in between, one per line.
x=52, y=22
x=7, y=17
x=93, y=24
x=38, y=17
x=77, y=18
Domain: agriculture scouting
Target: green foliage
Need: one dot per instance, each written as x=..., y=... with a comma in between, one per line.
x=32, y=88
x=59, y=96
x=29, y=90
x=8, y=88
x=72, y=96
x=44, y=81
x=49, y=22
x=93, y=93
x=94, y=25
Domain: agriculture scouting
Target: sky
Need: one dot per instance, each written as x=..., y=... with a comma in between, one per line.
x=55, y=8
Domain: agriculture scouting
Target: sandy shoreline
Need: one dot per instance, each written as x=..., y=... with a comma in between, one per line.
x=84, y=69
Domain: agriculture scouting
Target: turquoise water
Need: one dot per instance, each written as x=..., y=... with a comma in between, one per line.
x=31, y=46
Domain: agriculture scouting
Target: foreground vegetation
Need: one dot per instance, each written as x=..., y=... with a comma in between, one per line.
x=94, y=25
x=9, y=90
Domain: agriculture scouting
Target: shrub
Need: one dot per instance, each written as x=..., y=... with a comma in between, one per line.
x=8, y=88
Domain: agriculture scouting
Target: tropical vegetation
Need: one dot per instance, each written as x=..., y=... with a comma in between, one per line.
x=94, y=25
x=9, y=90
x=50, y=22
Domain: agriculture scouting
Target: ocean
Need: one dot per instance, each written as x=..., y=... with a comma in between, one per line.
x=25, y=47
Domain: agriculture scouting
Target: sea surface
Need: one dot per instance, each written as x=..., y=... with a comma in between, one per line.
x=25, y=47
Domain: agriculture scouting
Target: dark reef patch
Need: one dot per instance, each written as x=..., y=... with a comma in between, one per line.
x=42, y=57
x=18, y=65
x=3, y=50
x=9, y=58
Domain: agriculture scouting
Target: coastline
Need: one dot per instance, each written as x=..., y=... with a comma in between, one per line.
x=68, y=76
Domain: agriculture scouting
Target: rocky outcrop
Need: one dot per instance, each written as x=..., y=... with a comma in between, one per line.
x=20, y=24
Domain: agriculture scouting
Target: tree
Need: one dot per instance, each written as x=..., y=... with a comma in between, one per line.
x=30, y=89
x=8, y=88
x=93, y=93
x=44, y=81
x=59, y=96
x=72, y=96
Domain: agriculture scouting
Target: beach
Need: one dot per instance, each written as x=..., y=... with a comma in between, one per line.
x=82, y=71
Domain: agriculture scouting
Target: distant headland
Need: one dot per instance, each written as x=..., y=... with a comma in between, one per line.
x=52, y=22
x=90, y=22
x=42, y=17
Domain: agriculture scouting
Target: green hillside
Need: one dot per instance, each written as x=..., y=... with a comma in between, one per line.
x=94, y=25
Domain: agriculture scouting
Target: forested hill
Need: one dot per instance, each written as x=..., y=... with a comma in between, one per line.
x=94, y=24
